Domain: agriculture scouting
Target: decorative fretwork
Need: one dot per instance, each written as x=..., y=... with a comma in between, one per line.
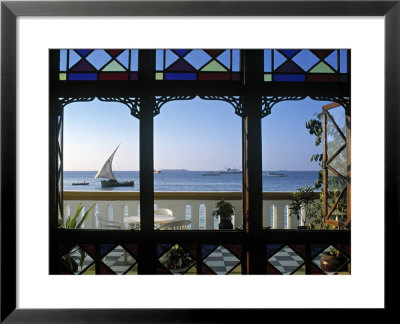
x=162, y=100
x=235, y=101
x=306, y=65
x=343, y=101
x=269, y=102
x=132, y=103
x=62, y=102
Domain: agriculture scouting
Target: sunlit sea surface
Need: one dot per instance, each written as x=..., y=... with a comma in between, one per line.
x=169, y=180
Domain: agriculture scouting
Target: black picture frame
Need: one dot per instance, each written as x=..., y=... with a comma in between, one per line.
x=10, y=10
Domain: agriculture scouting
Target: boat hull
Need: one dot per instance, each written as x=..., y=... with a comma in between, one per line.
x=111, y=183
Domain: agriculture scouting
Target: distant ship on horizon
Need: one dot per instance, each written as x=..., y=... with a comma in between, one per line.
x=231, y=171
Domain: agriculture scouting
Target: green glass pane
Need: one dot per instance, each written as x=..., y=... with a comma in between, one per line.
x=267, y=77
x=322, y=68
x=159, y=76
x=63, y=76
x=114, y=66
x=214, y=66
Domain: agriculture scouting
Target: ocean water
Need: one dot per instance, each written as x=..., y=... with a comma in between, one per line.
x=169, y=180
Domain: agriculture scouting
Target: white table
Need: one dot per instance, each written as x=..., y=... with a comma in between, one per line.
x=158, y=219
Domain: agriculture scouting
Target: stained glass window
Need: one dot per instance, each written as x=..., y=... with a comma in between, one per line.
x=305, y=65
x=98, y=64
x=198, y=64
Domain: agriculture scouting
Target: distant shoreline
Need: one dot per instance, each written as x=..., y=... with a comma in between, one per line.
x=184, y=170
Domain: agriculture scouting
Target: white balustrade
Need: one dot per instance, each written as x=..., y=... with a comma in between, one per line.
x=111, y=208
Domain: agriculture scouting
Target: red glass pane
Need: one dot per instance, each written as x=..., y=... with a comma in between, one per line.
x=104, y=270
x=132, y=249
x=272, y=270
x=113, y=76
x=323, y=78
x=315, y=270
x=89, y=248
x=162, y=270
x=214, y=76
x=235, y=249
x=300, y=249
x=191, y=249
x=206, y=270
x=322, y=53
x=114, y=52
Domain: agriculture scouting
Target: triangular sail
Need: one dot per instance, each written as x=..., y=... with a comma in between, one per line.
x=106, y=171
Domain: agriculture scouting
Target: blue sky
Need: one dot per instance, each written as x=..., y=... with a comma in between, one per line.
x=194, y=135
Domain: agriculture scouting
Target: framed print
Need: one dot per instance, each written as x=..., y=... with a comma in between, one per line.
x=132, y=54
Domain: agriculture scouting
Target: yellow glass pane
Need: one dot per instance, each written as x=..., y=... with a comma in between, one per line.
x=91, y=270
x=237, y=270
x=133, y=270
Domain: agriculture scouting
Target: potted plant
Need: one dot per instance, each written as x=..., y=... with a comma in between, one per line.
x=225, y=211
x=71, y=261
x=332, y=260
x=176, y=259
x=303, y=198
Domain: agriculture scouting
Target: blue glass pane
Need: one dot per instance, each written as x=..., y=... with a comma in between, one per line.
x=123, y=58
x=170, y=57
x=159, y=60
x=332, y=59
x=180, y=76
x=272, y=248
x=289, y=77
x=98, y=58
x=317, y=249
x=63, y=60
x=235, y=60
x=134, y=60
x=105, y=248
x=206, y=249
x=278, y=59
x=82, y=76
x=161, y=248
x=289, y=53
x=73, y=58
x=181, y=52
x=267, y=60
x=83, y=52
x=343, y=61
x=305, y=59
x=197, y=58
x=225, y=59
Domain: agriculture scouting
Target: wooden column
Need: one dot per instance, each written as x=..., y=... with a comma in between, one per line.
x=146, y=249
x=252, y=153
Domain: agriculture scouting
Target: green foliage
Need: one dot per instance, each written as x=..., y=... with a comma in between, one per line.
x=71, y=222
x=304, y=198
x=72, y=262
x=176, y=258
x=334, y=252
x=223, y=209
x=314, y=127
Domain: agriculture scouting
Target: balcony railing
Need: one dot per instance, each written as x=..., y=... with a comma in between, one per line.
x=195, y=206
